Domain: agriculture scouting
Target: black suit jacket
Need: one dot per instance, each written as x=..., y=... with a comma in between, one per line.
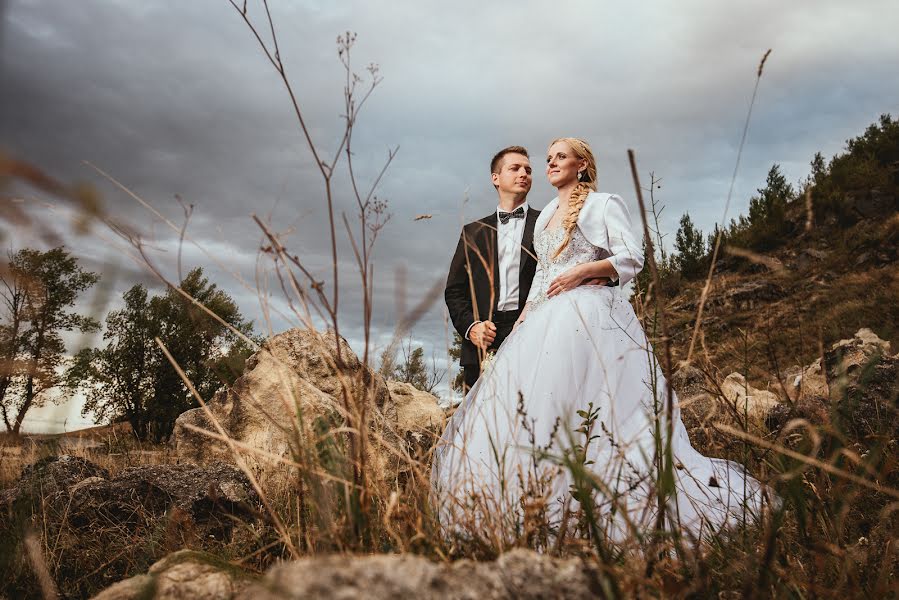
x=472, y=285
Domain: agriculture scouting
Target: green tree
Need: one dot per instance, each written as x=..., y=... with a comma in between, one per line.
x=690, y=246
x=118, y=379
x=40, y=288
x=412, y=369
x=12, y=328
x=455, y=354
x=198, y=343
x=868, y=164
x=669, y=273
x=131, y=379
x=819, y=169
x=767, y=211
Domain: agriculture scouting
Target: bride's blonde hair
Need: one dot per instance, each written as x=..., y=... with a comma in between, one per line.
x=587, y=184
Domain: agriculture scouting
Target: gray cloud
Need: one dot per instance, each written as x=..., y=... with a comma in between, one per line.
x=176, y=98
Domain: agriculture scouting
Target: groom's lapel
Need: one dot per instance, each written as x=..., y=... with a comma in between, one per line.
x=527, y=240
x=492, y=252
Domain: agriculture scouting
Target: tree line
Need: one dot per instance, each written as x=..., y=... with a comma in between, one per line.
x=128, y=378
x=870, y=162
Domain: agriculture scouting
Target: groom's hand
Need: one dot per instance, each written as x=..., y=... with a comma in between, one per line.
x=596, y=281
x=483, y=334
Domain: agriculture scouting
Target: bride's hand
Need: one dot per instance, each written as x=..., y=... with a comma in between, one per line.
x=568, y=280
x=521, y=317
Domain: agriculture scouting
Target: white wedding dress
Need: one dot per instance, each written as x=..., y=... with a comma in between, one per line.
x=580, y=352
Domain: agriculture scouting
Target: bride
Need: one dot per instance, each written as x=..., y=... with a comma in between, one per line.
x=571, y=410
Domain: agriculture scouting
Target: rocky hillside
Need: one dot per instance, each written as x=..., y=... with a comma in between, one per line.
x=828, y=269
x=760, y=319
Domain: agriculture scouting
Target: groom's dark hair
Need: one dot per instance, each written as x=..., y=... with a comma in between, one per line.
x=494, y=164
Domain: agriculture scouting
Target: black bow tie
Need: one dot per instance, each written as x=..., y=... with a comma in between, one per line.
x=518, y=213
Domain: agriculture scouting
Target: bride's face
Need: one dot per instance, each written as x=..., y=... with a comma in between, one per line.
x=562, y=165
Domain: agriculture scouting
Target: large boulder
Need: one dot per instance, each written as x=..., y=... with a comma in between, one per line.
x=863, y=377
x=733, y=402
x=268, y=410
x=181, y=575
x=418, y=415
x=840, y=367
x=856, y=382
x=846, y=359
x=519, y=574
x=291, y=398
x=209, y=499
x=50, y=478
x=285, y=396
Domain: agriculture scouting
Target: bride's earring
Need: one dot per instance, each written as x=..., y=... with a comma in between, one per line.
x=582, y=175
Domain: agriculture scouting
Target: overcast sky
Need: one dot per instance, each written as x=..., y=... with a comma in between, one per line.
x=178, y=98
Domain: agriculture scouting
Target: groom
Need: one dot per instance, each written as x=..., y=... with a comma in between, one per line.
x=493, y=267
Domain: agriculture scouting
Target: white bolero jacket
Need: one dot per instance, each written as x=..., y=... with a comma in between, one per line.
x=606, y=223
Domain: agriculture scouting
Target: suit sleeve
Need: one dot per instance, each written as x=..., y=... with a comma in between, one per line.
x=458, y=290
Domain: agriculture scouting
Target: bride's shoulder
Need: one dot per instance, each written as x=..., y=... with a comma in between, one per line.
x=595, y=205
x=599, y=198
x=600, y=212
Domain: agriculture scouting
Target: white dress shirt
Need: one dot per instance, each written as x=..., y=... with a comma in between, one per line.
x=509, y=236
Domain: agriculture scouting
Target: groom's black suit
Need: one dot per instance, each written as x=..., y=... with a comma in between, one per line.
x=475, y=298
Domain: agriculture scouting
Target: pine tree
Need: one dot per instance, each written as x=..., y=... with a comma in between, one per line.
x=691, y=248
x=767, y=211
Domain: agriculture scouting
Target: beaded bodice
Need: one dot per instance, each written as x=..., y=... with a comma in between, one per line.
x=578, y=251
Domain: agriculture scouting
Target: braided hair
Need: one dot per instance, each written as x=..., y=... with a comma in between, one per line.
x=586, y=184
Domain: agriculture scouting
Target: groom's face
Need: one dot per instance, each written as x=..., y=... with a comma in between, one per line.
x=514, y=175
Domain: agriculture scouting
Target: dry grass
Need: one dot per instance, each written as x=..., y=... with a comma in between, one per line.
x=111, y=447
x=833, y=538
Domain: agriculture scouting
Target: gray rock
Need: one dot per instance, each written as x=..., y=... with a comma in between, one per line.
x=50, y=479
x=856, y=382
x=733, y=402
x=845, y=358
x=182, y=575
x=519, y=574
x=212, y=498
x=864, y=385
x=746, y=296
x=814, y=253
